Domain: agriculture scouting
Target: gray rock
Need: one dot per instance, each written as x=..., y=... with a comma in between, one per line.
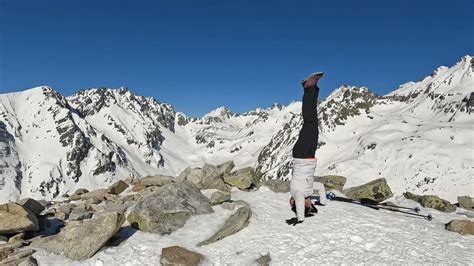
x=157, y=180
x=264, y=260
x=17, y=238
x=34, y=206
x=28, y=261
x=176, y=255
x=377, y=190
x=466, y=202
x=81, y=240
x=193, y=175
x=117, y=187
x=79, y=214
x=219, y=197
x=78, y=193
x=61, y=216
x=169, y=207
x=244, y=178
x=235, y=223
x=463, y=227
x=331, y=182
x=431, y=201
x=17, y=257
x=278, y=186
x=15, y=218
x=228, y=205
x=207, y=177
x=98, y=194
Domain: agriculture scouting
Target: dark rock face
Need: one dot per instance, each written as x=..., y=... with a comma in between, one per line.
x=431, y=201
x=10, y=165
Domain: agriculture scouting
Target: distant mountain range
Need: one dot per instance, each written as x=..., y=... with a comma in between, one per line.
x=419, y=137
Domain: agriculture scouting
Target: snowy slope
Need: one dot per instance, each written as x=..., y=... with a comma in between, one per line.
x=341, y=233
x=419, y=137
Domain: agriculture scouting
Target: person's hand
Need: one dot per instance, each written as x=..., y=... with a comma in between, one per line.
x=293, y=221
x=307, y=203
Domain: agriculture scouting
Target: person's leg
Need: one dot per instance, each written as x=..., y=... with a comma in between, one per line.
x=305, y=146
x=321, y=191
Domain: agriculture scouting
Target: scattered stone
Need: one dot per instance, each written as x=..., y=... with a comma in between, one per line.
x=332, y=182
x=176, y=255
x=209, y=176
x=79, y=214
x=28, y=261
x=244, y=178
x=17, y=257
x=117, y=187
x=158, y=180
x=278, y=186
x=16, y=238
x=235, y=223
x=466, y=202
x=15, y=218
x=228, y=206
x=81, y=240
x=377, y=190
x=34, y=206
x=264, y=260
x=169, y=208
x=8, y=248
x=138, y=187
x=61, y=216
x=431, y=201
x=219, y=197
x=461, y=226
x=78, y=193
x=96, y=208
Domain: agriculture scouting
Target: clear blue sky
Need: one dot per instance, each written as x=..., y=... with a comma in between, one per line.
x=198, y=55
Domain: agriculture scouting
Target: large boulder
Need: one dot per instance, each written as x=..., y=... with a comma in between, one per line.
x=277, y=185
x=331, y=182
x=157, y=180
x=176, y=255
x=236, y=222
x=245, y=178
x=15, y=218
x=78, y=193
x=466, y=202
x=377, y=190
x=461, y=226
x=98, y=194
x=431, y=201
x=219, y=197
x=169, y=207
x=34, y=206
x=81, y=240
x=209, y=176
x=117, y=187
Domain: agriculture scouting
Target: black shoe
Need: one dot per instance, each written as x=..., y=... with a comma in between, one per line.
x=293, y=221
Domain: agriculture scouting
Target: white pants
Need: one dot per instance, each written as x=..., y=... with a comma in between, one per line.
x=302, y=184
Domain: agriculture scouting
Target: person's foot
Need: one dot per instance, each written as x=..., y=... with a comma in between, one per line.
x=312, y=80
x=293, y=221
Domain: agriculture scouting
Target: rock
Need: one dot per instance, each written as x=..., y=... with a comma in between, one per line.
x=176, y=255
x=466, y=202
x=67, y=208
x=194, y=175
x=61, y=216
x=219, y=197
x=235, y=223
x=168, y=208
x=277, y=185
x=16, y=238
x=15, y=218
x=117, y=187
x=28, y=261
x=7, y=249
x=377, y=190
x=208, y=177
x=264, y=260
x=81, y=240
x=431, y=201
x=158, y=180
x=461, y=226
x=332, y=182
x=98, y=194
x=467, y=214
x=34, y=206
x=138, y=187
x=228, y=205
x=78, y=193
x=17, y=257
x=244, y=178
x=3, y=239
x=79, y=214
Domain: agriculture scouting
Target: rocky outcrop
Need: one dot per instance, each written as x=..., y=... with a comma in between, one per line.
x=168, y=208
x=19, y=258
x=331, y=182
x=235, y=223
x=81, y=240
x=209, y=176
x=15, y=218
x=245, y=178
x=277, y=185
x=157, y=180
x=377, y=190
x=117, y=187
x=431, y=201
x=466, y=202
x=34, y=206
x=78, y=193
x=463, y=227
x=176, y=255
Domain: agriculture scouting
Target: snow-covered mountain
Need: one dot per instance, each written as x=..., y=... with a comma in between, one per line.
x=419, y=137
